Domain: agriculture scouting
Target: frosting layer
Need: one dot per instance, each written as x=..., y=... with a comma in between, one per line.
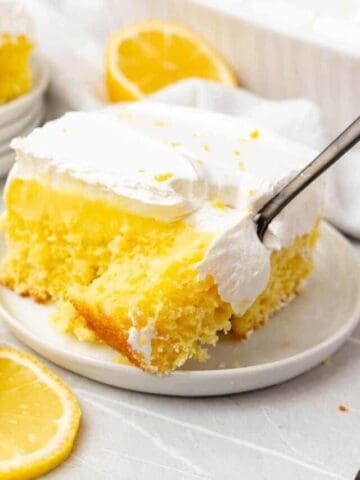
x=167, y=162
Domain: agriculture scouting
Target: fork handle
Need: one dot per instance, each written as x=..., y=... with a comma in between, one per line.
x=337, y=148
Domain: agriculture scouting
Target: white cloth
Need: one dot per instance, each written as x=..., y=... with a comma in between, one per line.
x=72, y=38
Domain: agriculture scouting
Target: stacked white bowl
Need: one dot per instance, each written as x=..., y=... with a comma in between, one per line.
x=18, y=117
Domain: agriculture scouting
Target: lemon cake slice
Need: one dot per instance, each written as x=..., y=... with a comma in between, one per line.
x=15, y=50
x=137, y=223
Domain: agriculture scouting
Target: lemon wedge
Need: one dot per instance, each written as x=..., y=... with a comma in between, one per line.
x=142, y=58
x=39, y=417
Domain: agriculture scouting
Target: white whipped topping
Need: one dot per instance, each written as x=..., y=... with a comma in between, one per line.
x=238, y=262
x=213, y=160
x=140, y=340
x=101, y=150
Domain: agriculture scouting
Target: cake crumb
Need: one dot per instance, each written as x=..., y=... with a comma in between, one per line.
x=141, y=170
x=254, y=134
x=343, y=408
x=199, y=161
x=242, y=166
x=159, y=123
x=236, y=364
x=206, y=148
x=222, y=365
x=143, y=340
x=236, y=152
x=65, y=130
x=174, y=144
x=120, y=358
x=162, y=177
x=194, y=134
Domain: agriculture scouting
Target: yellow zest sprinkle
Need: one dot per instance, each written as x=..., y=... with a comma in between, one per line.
x=236, y=152
x=173, y=144
x=242, y=166
x=252, y=192
x=141, y=170
x=206, y=148
x=159, y=123
x=218, y=203
x=162, y=177
x=199, y=161
x=254, y=134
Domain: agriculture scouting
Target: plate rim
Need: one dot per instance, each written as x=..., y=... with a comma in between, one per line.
x=337, y=338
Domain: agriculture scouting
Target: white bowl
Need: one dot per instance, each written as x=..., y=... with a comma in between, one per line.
x=14, y=110
x=14, y=129
x=7, y=155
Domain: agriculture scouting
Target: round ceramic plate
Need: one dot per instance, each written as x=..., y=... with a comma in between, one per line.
x=299, y=337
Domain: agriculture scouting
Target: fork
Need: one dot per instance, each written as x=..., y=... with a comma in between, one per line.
x=335, y=150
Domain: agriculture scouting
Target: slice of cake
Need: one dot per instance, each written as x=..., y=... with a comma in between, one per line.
x=15, y=50
x=138, y=224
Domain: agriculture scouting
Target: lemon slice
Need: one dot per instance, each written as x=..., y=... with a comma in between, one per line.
x=142, y=58
x=39, y=417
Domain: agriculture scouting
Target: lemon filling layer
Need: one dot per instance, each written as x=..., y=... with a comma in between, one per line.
x=129, y=281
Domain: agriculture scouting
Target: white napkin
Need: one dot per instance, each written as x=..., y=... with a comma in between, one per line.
x=72, y=40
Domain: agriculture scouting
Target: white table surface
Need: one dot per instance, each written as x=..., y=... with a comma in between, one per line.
x=293, y=431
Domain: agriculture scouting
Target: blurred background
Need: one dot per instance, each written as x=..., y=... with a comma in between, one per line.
x=279, y=49
x=297, y=65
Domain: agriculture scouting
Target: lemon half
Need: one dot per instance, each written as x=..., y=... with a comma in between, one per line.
x=142, y=58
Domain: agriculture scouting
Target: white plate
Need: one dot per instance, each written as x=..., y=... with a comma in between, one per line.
x=305, y=333
x=15, y=109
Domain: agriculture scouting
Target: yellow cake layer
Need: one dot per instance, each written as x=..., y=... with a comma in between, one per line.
x=15, y=73
x=110, y=271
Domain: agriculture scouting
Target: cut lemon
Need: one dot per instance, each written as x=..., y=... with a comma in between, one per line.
x=142, y=58
x=39, y=417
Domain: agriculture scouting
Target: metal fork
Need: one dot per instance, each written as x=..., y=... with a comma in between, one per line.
x=337, y=148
